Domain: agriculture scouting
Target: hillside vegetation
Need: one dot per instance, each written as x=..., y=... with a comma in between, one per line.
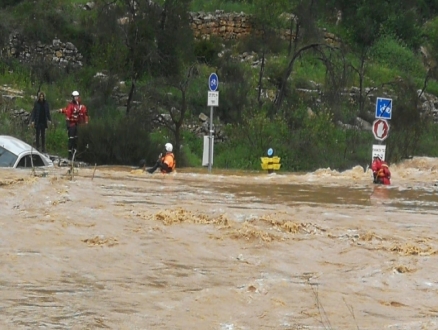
x=147, y=51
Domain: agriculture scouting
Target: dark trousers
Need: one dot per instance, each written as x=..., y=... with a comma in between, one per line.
x=154, y=168
x=72, y=140
x=159, y=165
x=40, y=131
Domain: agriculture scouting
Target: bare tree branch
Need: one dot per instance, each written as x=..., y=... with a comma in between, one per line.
x=288, y=72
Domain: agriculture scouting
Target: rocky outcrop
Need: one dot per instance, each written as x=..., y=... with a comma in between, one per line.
x=199, y=128
x=58, y=52
x=22, y=116
x=202, y=128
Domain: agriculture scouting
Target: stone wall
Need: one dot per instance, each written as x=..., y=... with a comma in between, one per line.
x=229, y=26
x=62, y=53
x=225, y=25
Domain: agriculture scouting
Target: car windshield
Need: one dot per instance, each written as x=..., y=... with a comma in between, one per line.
x=7, y=158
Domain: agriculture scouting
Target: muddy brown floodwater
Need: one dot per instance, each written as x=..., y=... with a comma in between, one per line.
x=228, y=250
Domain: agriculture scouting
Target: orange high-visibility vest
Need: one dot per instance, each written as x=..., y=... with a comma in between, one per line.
x=169, y=159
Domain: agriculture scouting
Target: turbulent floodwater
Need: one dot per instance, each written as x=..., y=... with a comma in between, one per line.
x=122, y=249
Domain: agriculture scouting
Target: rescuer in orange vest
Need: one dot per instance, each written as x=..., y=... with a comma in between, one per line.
x=166, y=163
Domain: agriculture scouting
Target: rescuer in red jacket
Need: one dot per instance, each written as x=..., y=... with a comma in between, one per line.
x=75, y=114
x=381, y=172
x=375, y=167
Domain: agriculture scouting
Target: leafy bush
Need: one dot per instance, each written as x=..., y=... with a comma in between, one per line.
x=57, y=140
x=392, y=53
x=206, y=50
x=250, y=140
x=310, y=68
x=192, y=149
x=15, y=127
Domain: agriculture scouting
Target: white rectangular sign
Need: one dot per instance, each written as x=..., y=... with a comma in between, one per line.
x=205, y=151
x=379, y=151
x=213, y=99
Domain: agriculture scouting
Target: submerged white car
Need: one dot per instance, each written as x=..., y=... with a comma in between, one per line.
x=17, y=154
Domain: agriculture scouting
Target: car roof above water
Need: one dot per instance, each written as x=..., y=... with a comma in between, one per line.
x=14, y=145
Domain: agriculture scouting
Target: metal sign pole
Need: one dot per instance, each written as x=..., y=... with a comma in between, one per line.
x=213, y=100
x=210, y=144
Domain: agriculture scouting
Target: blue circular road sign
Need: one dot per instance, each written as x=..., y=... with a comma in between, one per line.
x=270, y=152
x=213, y=82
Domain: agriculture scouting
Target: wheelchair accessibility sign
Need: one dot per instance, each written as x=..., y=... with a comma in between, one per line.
x=383, y=108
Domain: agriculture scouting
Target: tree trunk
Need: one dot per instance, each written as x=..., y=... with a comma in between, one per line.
x=177, y=142
x=178, y=123
x=262, y=69
x=361, y=79
x=130, y=96
x=291, y=39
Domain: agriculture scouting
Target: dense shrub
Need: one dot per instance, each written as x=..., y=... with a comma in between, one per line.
x=122, y=141
x=392, y=53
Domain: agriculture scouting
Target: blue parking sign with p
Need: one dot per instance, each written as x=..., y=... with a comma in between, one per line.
x=383, y=108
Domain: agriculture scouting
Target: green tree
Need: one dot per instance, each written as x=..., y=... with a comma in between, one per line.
x=174, y=38
x=266, y=20
x=408, y=125
x=430, y=51
x=110, y=51
x=167, y=99
x=131, y=27
x=306, y=36
x=364, y=23
x=361, y=22
x=235, y=90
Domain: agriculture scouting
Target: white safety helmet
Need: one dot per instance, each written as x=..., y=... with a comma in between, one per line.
x=75, y=93
x=169, y=147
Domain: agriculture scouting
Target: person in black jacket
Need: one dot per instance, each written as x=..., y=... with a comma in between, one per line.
x=40, y=119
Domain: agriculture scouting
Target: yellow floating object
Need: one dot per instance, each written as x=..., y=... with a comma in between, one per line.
x=270, y=163
x=271, y=166
x=273, y=160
